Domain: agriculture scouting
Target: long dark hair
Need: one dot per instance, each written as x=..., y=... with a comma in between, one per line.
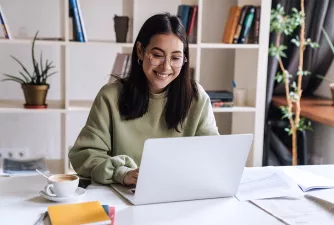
x=134, y=96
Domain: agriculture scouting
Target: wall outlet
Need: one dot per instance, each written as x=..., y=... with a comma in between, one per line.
x=14, y=153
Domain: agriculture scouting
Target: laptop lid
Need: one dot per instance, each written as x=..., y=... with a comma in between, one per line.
x=189, y=168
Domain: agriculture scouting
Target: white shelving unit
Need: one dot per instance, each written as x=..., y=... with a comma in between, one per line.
x=83, y=67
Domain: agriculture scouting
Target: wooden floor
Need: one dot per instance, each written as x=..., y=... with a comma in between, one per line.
x=317, y=109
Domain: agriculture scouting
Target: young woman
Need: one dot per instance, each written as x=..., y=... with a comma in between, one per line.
x=157, y=99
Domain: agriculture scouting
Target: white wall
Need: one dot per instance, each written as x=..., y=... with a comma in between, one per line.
x=321, y=140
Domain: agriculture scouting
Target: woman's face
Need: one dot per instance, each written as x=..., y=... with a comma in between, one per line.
x=162, y=59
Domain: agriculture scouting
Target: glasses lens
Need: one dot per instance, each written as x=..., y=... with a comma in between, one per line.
x=174, y=62
x=177, y=62
x=156, y=60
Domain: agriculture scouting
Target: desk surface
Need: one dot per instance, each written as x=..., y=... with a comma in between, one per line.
x=20, y=203
x=316, y=109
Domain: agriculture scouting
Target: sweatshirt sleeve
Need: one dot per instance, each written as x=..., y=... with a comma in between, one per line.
x=90, y=154
x=207, y=123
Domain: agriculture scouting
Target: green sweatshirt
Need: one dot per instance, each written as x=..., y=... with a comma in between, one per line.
x=108, y=147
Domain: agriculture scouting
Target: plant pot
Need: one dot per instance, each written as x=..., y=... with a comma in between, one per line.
x=121, y=25
x=331, y=87
x=35, y=95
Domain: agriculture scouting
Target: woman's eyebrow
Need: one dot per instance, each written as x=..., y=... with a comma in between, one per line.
x=159, y=49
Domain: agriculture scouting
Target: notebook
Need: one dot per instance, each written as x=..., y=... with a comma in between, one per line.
x=88, y=213
x=111, y=212
x=307, y=180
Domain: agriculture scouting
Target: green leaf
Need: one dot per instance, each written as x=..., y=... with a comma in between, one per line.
x=305, y=73
x=288, y=130
x=294, y=96
x=281, y=52
x=11, y=77
x=311, y=44
x=294, y=85
x=23, y=67
x=285, y=112
x=49, y=75
x=279, y=77
x=272, y=50
x=34, y=63
x=295, y=41
x=25, y=77
x=304, y=124
x=41, y=62
x=328, y=40
x=324, y=78
x=294, y=10
x=278, y=52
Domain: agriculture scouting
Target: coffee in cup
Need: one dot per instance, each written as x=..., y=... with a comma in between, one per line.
x=62, y=185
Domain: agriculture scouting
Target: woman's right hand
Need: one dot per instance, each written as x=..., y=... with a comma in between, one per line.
x=131, y=177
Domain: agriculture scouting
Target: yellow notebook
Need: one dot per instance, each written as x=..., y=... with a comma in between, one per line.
x=91, y=213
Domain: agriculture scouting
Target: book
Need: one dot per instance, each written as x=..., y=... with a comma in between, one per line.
x=231, y=24
x=221, y=104
x=121, y=65
x=220, y=95
x=4, y=25
x=183, y=14
x=192, y=24
x=110, y=211
x=253, y=35
x=83, y=28
x=247, y=24
x=24, y=166
x=240, y=24
x=79, y=36
x=88, y=213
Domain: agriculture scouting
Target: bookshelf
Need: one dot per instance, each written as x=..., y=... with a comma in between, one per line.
x=84, y=67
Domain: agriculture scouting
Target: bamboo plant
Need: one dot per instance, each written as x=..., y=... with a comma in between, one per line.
x=287, y=24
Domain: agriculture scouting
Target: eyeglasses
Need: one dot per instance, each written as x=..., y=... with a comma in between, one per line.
x=158, y=59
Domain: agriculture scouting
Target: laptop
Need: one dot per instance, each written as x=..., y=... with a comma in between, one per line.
x=189, y=168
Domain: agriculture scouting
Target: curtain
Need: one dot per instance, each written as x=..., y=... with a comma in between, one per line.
x=319, y=13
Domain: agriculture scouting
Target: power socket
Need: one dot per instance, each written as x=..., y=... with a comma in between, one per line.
x=14, y=153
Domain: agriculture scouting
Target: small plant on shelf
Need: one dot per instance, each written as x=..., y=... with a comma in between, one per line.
x=34, y=84
x=331, y=82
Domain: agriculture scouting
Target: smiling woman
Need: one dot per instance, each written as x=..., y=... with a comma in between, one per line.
x=157, y=99
x=159, y=71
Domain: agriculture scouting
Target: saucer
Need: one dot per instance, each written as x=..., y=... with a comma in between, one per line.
x=78, y=193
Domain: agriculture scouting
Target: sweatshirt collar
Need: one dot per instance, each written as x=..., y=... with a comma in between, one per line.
x=158, y=96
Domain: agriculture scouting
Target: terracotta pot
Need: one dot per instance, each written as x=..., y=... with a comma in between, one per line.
x=35, y=95
x=331, y=86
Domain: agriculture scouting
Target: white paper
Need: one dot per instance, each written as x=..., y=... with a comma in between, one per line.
x=298, y=211
x=325, y=195
x=266, y=182
x=307, y=180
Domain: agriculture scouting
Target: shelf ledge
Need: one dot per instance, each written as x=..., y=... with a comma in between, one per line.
x=234, y=109
x=229, y=46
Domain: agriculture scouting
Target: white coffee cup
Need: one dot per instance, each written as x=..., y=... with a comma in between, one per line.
x=62, y=185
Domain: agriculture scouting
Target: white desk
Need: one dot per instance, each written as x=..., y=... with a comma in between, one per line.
x=20, y=204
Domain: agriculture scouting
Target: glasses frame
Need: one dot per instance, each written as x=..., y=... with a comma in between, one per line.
x=149, y=55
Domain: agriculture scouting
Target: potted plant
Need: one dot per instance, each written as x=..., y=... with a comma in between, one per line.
x=34, y=84
x=331, y=83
